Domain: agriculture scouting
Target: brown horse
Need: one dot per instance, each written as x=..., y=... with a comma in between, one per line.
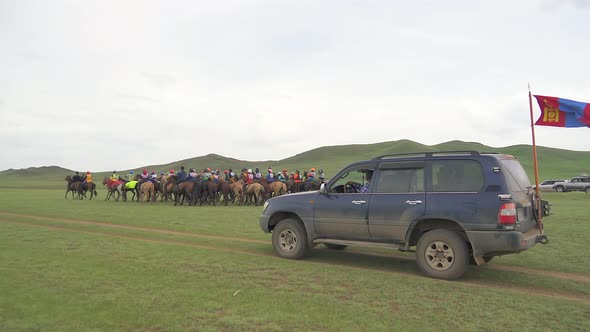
x=71, y=186
x=224, y=190
x=277, y=188
x=210, y=194
x=265, y=186
x=88, y=186
x=184, y=189
x=237, y=188
x=256, y=192
x=114, y=187
x=147, y=191
x=168, y=187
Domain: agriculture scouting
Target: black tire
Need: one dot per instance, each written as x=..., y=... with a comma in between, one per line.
x=442, y=254
x=289, y=239
x=334, y=246
x=559, y=189
x=587, y=190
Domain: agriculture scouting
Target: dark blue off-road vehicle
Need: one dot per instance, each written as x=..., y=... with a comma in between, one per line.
x=454, y=207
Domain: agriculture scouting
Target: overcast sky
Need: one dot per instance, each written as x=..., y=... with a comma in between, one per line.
x=104, y=85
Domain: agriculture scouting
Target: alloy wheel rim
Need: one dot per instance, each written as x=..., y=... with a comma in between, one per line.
x=288, y=240
x=439, y=255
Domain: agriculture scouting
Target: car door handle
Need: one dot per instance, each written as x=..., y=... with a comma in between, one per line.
x=413, y=202
x=359, y=202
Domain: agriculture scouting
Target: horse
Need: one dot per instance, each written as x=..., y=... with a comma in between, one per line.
x=264, y=184
x=210, y=193
x=255, y=191
x=132, y=187
x=114, y=187
x=146, y=191
x=223, y=188
x=88, y=186
x=312, y=184
x=72, y=186
x=277, y=188
x=237, y=188
x=184, y=189
x=168, y=187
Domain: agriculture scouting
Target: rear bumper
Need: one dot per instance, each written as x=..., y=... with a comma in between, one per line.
x=486, y=243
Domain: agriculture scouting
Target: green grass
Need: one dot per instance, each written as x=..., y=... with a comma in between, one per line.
x=56, y=275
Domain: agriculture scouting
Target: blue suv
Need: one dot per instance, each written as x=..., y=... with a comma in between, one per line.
x=451, y=208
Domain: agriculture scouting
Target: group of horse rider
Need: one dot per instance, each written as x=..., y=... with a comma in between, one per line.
x=83, y=179
x=248, y=175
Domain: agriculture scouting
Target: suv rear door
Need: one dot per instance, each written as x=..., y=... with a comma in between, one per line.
x=456, y=191
x=397, y=199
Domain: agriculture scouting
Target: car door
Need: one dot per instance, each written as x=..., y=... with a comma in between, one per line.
x=342, y=211
x=397, y=199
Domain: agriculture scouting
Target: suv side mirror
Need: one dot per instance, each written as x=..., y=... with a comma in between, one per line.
x=323, y=189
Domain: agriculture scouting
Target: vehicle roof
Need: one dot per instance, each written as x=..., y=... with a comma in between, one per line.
x=433, y=155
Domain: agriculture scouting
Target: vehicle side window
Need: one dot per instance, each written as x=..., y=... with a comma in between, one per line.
x=457, y=175
x=400, y=181
x=353, y=179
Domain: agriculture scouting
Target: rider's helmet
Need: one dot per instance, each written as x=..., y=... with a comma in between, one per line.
x=171, y=171
x=270, y=170
x=130, y=172
x=154, y=171
x=285, y=170
x=87, y=172
x=214, y=172
x=114, y=171
x=250, y=170
x=144, y=171
x=313, y=169
x=208, y=169
x=161, y=173
x=225, y=171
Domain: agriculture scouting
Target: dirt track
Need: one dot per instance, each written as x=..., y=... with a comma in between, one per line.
x=535, y=291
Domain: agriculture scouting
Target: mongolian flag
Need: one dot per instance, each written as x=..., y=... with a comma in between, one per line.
x=559, y=112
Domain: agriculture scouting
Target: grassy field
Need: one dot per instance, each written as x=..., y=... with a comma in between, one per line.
x=94, y=265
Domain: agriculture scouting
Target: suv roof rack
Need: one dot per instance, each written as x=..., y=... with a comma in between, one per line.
x=429, y=154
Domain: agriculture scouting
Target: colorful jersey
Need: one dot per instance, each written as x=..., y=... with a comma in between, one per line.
x=89, y=178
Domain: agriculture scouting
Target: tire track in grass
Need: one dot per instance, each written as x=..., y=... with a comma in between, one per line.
x=138, y=228
x=506, y=268
x=531, y=291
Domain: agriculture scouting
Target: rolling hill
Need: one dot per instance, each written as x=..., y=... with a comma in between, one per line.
x=553, y=163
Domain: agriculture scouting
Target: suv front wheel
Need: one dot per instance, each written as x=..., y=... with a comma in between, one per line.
x=289, y=239
x=442, y=254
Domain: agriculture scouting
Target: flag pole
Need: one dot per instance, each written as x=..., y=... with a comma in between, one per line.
x=536, y=167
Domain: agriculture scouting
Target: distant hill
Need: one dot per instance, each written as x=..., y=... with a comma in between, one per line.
x=43, y=171
x=553, y=163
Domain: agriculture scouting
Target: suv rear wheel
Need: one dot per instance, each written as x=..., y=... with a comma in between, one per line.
x=559, y=189
x=289, y=239
x=442, y=254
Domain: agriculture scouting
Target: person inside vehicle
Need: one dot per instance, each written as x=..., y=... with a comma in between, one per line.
x=364, y=188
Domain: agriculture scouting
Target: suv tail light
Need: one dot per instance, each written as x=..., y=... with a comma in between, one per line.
x=507, y=214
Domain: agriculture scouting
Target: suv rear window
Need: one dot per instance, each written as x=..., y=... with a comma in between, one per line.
x=515, y=175
x=457, y=175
